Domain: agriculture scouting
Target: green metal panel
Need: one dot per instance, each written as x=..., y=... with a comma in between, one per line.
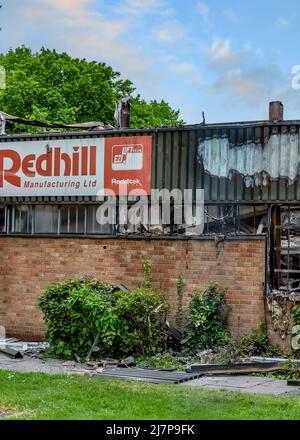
x=176, y=162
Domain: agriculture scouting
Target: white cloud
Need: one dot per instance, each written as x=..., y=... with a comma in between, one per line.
x=75, y=27
x=183, y=68
x=220, y=53
x=241, y=84
x=203, y=10
x=282, y=23
x=138, y=7
x=68, y=6
x=171, y=32
x=251, y=84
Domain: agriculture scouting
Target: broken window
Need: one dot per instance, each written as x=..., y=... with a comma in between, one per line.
x=220, y=219
x=252, y=219
x=137, y=217
x=235, y=219
x=285, y=249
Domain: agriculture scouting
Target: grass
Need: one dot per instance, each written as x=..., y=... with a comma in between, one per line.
x=40, y=396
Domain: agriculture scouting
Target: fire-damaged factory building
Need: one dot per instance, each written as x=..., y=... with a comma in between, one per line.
x=250, y=243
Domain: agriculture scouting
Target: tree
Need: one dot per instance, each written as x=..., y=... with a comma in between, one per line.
x=54, y=87
x=153, y=114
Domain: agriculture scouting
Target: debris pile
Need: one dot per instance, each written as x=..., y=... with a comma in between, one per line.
x=32, y=349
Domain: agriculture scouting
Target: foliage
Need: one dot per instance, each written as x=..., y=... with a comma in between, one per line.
x=295, y=331
x=54, y=87
x=206, y=323
x=180, y=293
x=75, y=311
x=257, y=344
x=225, y=353
x=290, y=370
x=148, y=273
x=140, y=314
x=296, y=315
x=164, y=360
x=127, y=322
x=153, y=114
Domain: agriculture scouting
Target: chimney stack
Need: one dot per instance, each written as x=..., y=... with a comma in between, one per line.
x=276, y=111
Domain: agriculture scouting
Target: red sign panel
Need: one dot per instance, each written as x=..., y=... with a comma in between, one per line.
x=128, y=164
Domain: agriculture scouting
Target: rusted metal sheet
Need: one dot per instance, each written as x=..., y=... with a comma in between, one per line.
x=235, y=163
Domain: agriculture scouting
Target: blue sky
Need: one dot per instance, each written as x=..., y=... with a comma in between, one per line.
x=226, y=58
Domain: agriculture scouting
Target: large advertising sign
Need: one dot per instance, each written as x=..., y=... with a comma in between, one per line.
x=76, y=167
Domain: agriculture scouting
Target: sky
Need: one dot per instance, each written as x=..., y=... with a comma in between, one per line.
x=226, y=58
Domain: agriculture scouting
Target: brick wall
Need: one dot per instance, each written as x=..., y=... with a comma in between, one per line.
x=28, y=265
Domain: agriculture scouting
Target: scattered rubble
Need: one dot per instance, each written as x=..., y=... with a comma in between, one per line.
x=232, y=369
x=69, y=364
x=14, y=354
x=206, y=356
x=32, y=349
x=110, y=364
x=127, y=363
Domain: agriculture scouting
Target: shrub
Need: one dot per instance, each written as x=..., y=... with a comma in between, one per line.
x=141, y=313
x=75, y=311
x=127, y=322
x=257, y=344
x=206, y=323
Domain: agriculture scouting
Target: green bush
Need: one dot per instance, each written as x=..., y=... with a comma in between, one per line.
x=296, y=315
x=257, y=344
x=254, y=344
x=206, y=323
x=127, y=322
x=141, y=313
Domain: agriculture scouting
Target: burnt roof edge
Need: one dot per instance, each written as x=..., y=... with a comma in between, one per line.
x=124, y=131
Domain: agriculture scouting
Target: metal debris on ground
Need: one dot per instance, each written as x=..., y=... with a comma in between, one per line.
x=127, y=363
x=93, y=349
x=275, y=359
x=33, y=349
x=293, y=383
x=150, y=375
x=120, y=287
x=69, y=364
x=245, y=368
x=110, y=364
x=14, y=354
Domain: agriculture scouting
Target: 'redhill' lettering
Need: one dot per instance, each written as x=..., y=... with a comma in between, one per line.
x=81, y=162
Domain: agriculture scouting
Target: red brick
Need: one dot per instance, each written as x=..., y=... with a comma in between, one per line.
x=28, y=265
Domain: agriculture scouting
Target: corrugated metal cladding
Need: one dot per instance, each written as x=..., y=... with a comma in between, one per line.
x=243, y=162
